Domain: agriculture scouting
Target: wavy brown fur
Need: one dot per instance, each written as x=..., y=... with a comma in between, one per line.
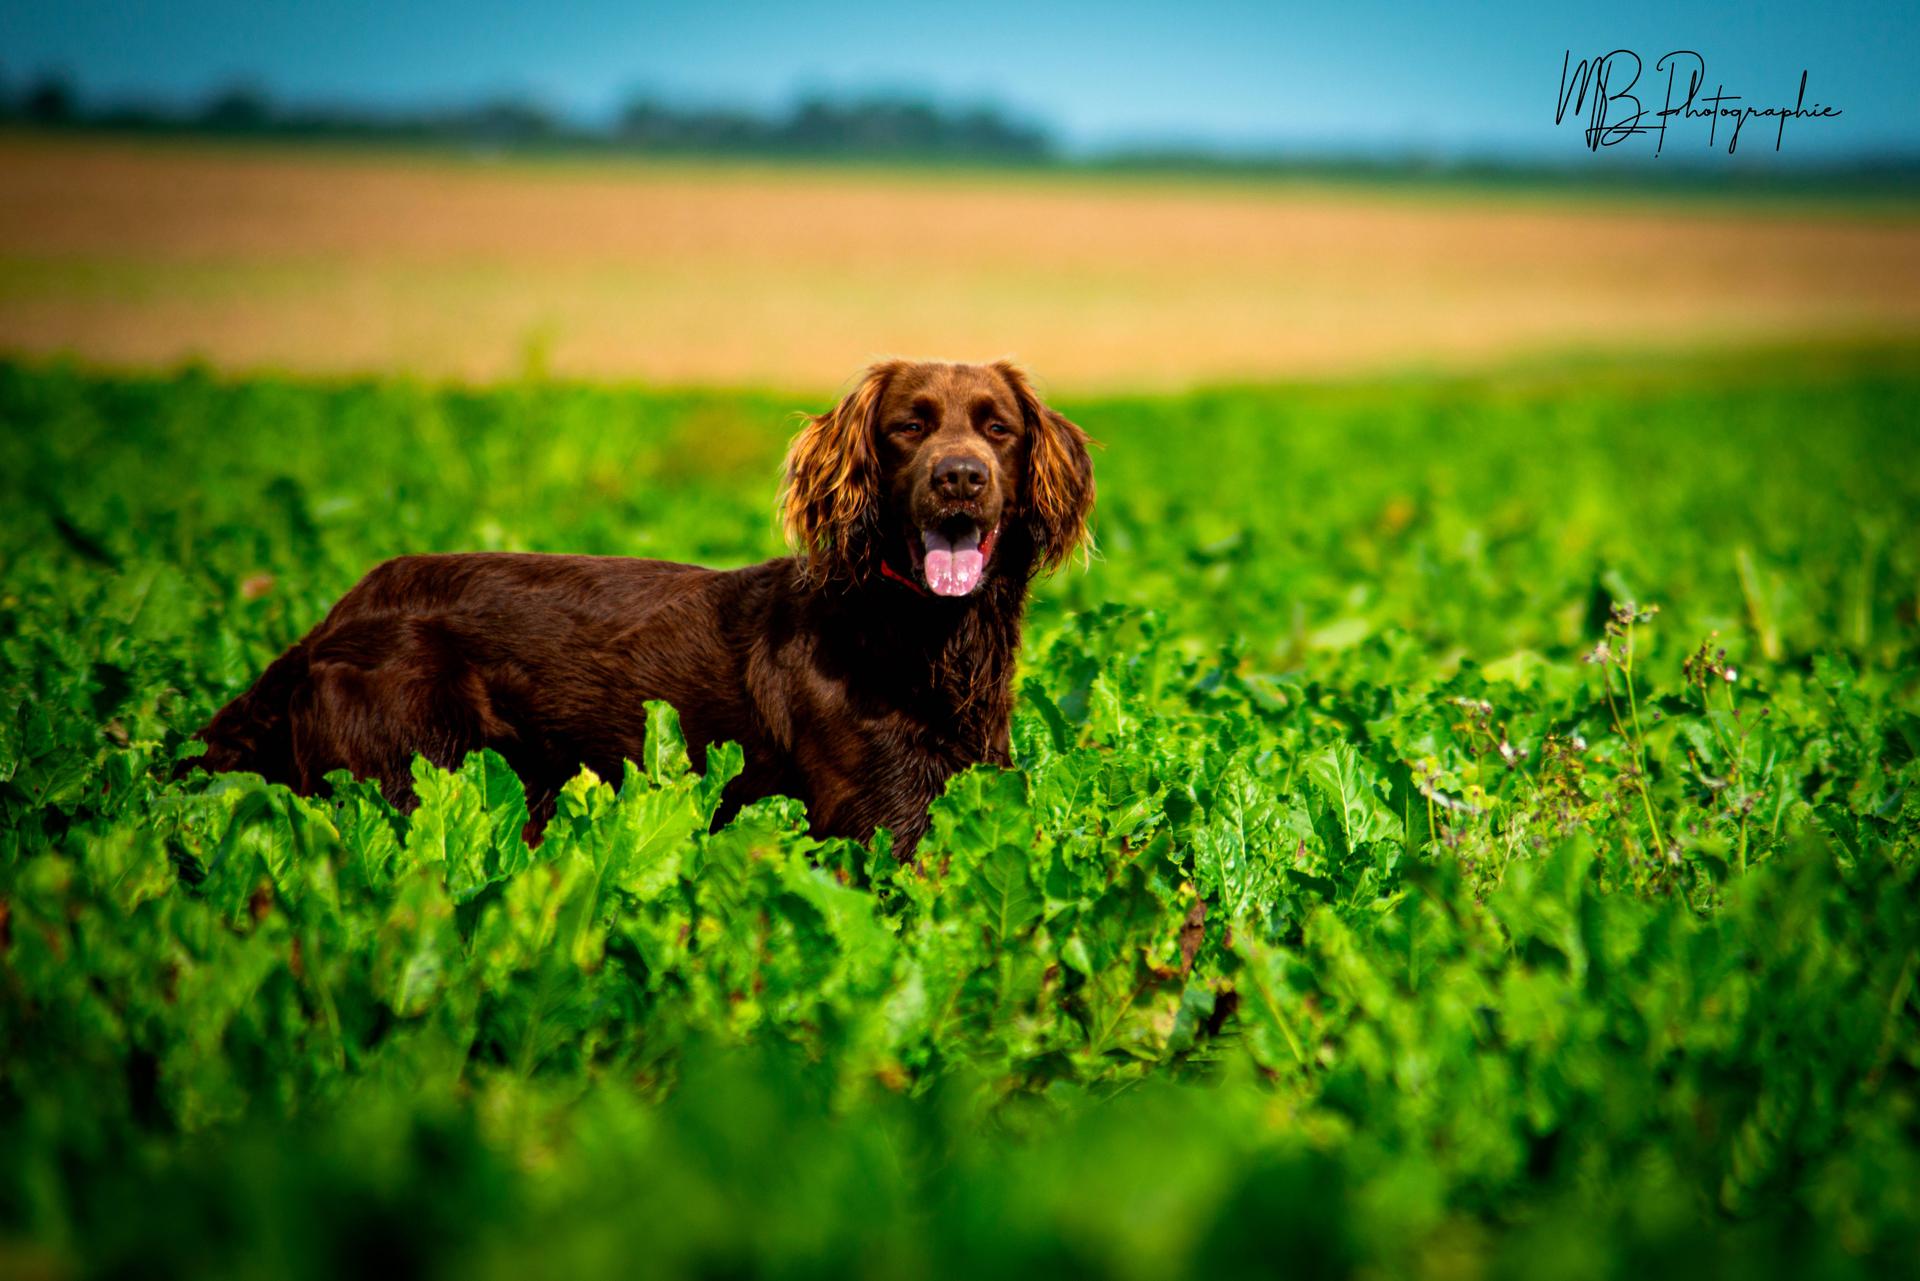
x=849, y=686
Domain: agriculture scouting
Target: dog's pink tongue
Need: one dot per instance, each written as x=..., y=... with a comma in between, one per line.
x=954, y=566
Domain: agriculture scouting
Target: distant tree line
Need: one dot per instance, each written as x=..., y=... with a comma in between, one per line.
x=877, y=125
x=896, y=127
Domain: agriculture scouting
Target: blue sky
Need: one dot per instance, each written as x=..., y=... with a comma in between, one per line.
x=1354, y=76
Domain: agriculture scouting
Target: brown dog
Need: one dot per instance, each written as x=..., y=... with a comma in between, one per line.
x=858, y=675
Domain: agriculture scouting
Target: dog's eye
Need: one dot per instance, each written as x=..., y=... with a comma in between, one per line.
x=908, y=428
x=999, y=431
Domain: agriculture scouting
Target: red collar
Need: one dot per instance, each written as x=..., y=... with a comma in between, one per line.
x=888, y=571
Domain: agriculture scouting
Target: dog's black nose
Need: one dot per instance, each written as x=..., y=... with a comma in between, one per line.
x=959, y=477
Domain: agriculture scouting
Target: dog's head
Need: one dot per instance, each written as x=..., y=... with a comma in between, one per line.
x=946, y=474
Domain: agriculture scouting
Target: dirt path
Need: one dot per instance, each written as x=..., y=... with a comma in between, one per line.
x=335, y=261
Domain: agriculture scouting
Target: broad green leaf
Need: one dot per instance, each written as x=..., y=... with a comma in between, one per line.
x=1357, y=802
x=417, y=953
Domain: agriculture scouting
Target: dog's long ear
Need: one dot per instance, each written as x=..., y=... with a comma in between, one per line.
x=831, y=498
x=1059, y=488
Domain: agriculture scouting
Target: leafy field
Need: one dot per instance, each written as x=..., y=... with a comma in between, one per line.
x=1461, y=828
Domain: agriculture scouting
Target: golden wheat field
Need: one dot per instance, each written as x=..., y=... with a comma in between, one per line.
x=332, y=260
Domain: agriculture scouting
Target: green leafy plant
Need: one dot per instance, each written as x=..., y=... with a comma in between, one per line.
x=1375, y=889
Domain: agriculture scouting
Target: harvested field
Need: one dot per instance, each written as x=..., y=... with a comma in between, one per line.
x=340, y=261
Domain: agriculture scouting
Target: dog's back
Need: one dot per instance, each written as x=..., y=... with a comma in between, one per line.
x=443, y=655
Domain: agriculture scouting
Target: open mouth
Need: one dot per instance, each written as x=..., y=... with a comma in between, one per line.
x=953, y=555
